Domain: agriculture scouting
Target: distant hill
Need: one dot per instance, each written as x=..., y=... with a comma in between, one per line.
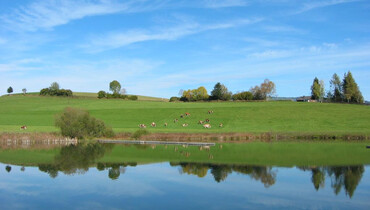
x=95, y=95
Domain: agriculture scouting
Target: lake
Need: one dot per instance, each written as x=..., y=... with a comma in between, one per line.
x=96, y=176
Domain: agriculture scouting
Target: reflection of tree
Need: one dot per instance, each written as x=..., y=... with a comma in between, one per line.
x=347, y=176
x=221, y=171
x=318, y=178
x=8, y=168
x=75, y=159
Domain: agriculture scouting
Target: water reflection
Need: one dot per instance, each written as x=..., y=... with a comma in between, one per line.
x=79, y=158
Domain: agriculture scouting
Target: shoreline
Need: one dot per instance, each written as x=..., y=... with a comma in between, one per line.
x=192, y=137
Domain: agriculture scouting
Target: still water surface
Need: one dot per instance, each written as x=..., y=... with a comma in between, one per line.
x=87, y=183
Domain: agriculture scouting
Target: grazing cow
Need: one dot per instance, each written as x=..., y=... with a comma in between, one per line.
x=221, y=125
x=153, y=124
x=210, y=112
x=207, y=120
x=207, y=148
x=23, y=127
x=187, y=114
x=200, y=122
x=142, y=126
x=165, y=124
x=207, y=125
x=185, y=125
x=175, y=120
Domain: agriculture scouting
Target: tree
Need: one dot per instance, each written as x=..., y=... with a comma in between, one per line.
x=322, y=90
x=336, y=92
x=315, y=89
x=10, y=90
x=256, y=92
x=24, y=90
x=267, y=89
x=351, y=90
x=115, y=87
x=220, y=92
x=54, y=86
x=102, y=94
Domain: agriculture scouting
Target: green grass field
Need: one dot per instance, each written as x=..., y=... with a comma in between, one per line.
x=256, y=153
x=253, y=117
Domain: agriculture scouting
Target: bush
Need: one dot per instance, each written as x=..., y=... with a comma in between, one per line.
x=78, y=123
x=54, y=92
x=133, y=97
x=137, y=134
x=246, y=95
x=44, y=91
x=174, y=98
x=102, y=94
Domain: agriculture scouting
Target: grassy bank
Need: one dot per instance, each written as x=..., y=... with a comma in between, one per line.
x=240, y=117
x=256, y=153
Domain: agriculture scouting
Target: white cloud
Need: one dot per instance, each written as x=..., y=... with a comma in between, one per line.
x=119, y=39
x=224, y=3
x=48, y=14
x=322, y=3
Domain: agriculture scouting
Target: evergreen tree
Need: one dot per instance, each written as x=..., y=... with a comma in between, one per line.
x=351, y=90
x=220, y=92
x=315, y=89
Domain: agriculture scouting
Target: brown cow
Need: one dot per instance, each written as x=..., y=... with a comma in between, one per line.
x=207, y=120
x=187, y=114
x=153, y=124
x=221, y=125
x=210, y=112
x=185, y=125
x=142, y=126
x=23, y=127
x=175, y=120
x=200, y=122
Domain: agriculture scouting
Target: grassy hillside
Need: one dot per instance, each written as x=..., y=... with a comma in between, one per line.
x=124, y=116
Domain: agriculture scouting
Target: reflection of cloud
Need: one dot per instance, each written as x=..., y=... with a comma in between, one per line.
x=19, y=188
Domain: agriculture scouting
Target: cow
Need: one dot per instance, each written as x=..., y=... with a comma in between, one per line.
x=142, y=126
x=182, y=116
x=221, y=125
x=185, y=125
x=200, y=122
x=23, y=127
x=175, y=120
x=207, y=125
x=187, y=114
x=207, y=148
x=207, y=120
x=210, y=112
x=153, y=124
x=165, y=124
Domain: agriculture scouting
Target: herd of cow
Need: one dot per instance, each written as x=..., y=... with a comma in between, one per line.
x=205, y=123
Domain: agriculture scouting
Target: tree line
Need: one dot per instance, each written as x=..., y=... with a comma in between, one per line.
x=345, y=90
x=221, y=93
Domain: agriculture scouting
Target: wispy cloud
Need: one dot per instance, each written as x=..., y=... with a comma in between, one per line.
x=224, y=3
x=119, y=39
x=322, y=3
x=48, y=14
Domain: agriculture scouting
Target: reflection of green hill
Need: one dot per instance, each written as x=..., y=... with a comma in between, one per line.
x=257, y=153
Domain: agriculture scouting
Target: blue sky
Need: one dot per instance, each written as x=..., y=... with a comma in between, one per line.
x=157, y=47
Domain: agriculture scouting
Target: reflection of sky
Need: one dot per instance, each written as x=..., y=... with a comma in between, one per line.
x=160, y=186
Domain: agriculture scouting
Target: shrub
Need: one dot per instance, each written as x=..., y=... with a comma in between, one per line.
x=102, y=94
x=133, y=97
x=174, y=98
x=44, y=91
x=137, y=134
x=246, y=95
x=78, y=123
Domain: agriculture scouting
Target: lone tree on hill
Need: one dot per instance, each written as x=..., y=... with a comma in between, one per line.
x=115, y=87
x=24, y=90
x=220, y=92
x=351, y=90
x=10, y=90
